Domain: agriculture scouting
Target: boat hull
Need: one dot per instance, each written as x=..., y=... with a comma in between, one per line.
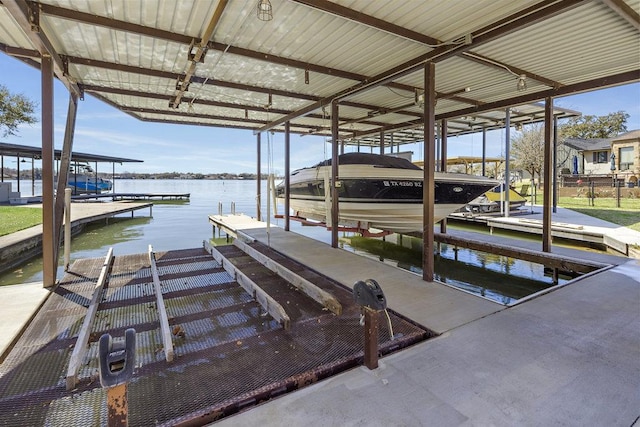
x=380, y=197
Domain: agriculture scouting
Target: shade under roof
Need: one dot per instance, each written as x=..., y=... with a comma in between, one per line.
x=145, y=58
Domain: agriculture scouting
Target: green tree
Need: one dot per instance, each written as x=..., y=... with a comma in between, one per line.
x=15, y=109
x=527, y=148
x=587, y=127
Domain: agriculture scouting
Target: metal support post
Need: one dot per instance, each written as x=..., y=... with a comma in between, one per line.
x=335, y=214
x=49, y=242
x=371, y=330
x=428, y=198
x=369, y=296
x=548, y=171
x=287, y=177
x=507, y=161
x=258, y=178
x=67, y=228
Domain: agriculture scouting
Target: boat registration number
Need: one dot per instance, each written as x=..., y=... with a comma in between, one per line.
x=402, y=183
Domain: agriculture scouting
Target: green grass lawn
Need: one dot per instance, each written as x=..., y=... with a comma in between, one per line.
x=627, y=215
x=16, y=218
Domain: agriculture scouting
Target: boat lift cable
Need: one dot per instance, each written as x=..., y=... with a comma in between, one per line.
x=269, y=181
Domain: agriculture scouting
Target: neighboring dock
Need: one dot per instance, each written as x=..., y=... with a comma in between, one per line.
x=23, y=245
x=564, y=225
x=117, y=197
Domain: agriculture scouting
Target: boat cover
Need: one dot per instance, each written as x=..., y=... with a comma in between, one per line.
x=371, y=159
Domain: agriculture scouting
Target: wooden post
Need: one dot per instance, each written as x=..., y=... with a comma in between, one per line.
x=117, y=406
x=371, y=328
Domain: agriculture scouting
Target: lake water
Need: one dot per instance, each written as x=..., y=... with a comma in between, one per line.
x=185, y=225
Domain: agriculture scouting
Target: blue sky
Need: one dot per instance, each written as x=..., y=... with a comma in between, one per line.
x=101, y=129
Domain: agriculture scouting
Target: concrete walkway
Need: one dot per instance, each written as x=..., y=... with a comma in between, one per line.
x=18, y=303
x=568, y=357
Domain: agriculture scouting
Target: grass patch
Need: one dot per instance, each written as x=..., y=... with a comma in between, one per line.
x=628, y=215
x=16, y=218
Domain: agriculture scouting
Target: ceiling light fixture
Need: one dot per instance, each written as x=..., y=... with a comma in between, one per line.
x=265, y=12
x=522, y=83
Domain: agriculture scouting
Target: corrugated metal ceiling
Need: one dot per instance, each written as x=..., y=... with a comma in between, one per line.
x=131, y=53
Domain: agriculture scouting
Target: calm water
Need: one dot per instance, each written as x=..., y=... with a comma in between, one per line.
x=186, y=225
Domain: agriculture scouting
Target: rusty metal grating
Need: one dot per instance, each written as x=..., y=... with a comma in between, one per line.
x=231, y=356
x=200, y=281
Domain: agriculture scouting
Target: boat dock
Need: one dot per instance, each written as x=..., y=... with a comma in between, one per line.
x=134, y=196
x=116, y=197
x=194, y=311
x=18, y=247
x=563, y=356
x=588, y=230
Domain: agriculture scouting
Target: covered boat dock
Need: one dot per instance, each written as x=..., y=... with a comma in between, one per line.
x=349, y=71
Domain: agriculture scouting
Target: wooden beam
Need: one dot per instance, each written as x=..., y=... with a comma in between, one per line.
x=324, y=298
x=581, y=266
x=80, y=348
x=263, y=298
x=165, y=331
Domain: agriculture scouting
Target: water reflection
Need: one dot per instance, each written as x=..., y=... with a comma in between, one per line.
x=496, y=277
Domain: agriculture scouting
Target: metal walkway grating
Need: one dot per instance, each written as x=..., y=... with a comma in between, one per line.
x=232, y=354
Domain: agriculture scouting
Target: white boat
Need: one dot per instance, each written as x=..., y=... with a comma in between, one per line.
x=378, y=191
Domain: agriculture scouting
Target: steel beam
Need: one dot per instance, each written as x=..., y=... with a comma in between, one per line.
x=484, y=151
x=27, y=16
x=625, y=11
x=49, y=264
x=443, y=162
x=428, y=193
x=259, y=179
x=507, y=160
x=547, y=170
x=65, y=162
x=335, y=206
x=287, y=175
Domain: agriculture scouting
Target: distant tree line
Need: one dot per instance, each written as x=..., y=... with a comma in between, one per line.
x=25, y=173
x=189, y=175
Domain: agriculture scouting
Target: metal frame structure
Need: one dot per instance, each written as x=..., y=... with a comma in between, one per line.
x=215, y=64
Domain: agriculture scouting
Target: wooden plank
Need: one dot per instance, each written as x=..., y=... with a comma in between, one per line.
x=167, y=341
x=81, y=347
x=546, y=259
x=267, y=302
x=321, y=296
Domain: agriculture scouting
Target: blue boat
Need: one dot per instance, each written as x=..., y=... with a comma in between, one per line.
x=83, y=180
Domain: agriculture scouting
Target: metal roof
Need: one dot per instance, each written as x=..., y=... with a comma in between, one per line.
x=36, y=153
x=216, y=64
